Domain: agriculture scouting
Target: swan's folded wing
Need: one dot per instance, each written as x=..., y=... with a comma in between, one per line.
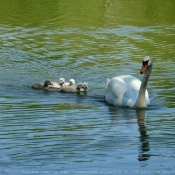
x=131, y=81
x=119, y=93
x=135, y=84
x=107, y=81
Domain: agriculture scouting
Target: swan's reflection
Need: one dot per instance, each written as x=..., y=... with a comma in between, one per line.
x=134, y=116
x=143, y=135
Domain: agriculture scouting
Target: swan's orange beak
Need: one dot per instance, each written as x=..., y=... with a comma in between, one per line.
x=143, y=69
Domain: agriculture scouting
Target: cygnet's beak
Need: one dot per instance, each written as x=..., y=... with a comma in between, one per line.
x=82, y=89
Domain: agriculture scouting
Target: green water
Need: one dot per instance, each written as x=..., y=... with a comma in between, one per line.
x=48, y=132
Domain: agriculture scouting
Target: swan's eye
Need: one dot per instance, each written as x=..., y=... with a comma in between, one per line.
x=145, y=62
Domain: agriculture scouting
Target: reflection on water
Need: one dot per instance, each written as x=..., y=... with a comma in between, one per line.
x=133, y=117
x=144, y=137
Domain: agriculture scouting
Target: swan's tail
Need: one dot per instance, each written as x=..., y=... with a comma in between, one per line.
x=107, y=81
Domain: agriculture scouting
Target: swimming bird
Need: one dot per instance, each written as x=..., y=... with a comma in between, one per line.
x=84, y=87
x=71, y=82
x=42, y=86
x=80, y=87
x=129, y=91
x=61, y=83
x=57, y=85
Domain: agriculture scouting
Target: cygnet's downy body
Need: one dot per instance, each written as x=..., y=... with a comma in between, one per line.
x=57, y=85
x=62, y=83
x=44, y=86
x=80, y=87
x=71, y=82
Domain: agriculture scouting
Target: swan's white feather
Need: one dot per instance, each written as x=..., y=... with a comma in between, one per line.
x=123, y=91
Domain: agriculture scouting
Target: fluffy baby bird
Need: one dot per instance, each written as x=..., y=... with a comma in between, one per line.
x=44, y=86
x=71, y=82
x=62, y=83
x=84, y=86
x=80, y=87
x=57, y=85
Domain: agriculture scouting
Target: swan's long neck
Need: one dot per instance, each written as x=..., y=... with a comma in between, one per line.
x=141, y=101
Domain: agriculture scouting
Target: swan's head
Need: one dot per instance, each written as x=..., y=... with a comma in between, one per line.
x=147, y=62
x=72, y=81
x=61, y=81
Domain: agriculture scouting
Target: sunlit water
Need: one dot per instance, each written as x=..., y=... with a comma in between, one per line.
x=48, y=132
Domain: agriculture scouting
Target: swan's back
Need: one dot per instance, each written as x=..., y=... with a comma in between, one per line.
x=123, y=91
x=131, y=81
x=135, y=84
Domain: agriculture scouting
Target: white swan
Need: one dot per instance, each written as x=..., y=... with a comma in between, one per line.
x=129, y=91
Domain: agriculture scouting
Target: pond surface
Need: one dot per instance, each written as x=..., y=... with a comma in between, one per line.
x=48, y=132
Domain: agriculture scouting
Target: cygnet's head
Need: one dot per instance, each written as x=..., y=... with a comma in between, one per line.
x=82, y=86
x=46, y=83
x=61, y=81
x=72, y=81
x=85, y=86
x=147, y=62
